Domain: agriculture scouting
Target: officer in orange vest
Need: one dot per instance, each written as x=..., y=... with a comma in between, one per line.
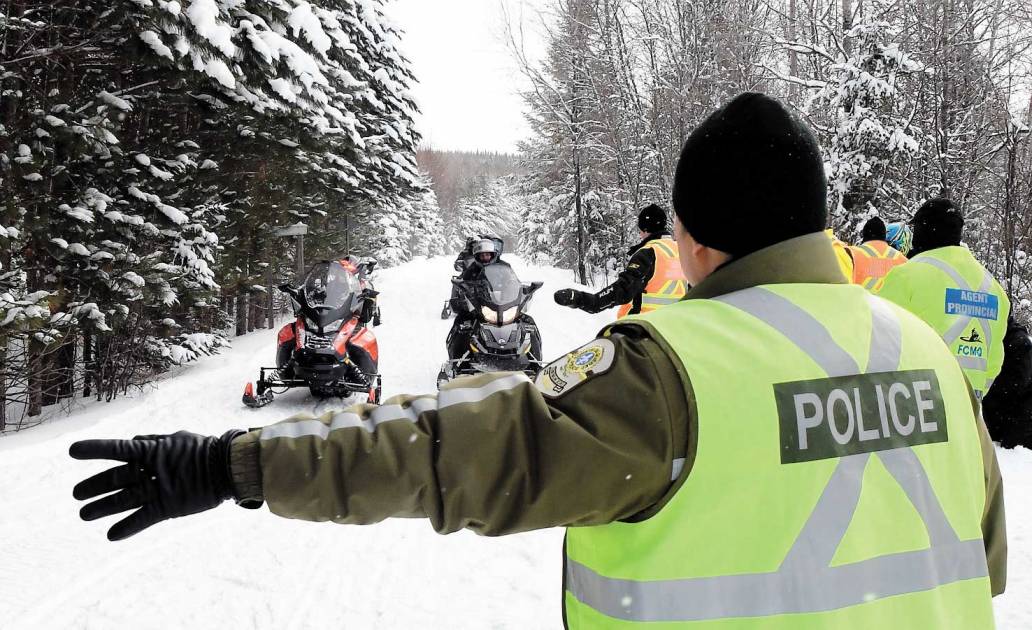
x=873, y=259
x=653, y=276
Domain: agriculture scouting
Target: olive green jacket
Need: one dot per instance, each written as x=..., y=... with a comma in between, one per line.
x=588, y=444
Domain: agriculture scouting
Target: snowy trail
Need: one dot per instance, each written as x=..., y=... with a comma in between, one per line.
x=232, y=568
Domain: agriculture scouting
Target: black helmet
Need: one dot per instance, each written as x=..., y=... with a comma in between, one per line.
x=652, y=219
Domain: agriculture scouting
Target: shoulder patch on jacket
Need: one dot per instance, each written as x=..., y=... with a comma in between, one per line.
x=589, y=360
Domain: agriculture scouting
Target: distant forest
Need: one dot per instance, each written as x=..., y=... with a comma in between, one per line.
x=456, y=175
x=473, y=191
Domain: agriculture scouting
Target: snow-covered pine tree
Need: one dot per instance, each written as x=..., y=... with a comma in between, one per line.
x=145, y=130
x=426, y=234
x=493, y=208
x=869, y=139
x=101, y=229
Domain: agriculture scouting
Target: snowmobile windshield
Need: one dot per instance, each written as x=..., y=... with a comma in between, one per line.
x=331, y=290
x=500, y=286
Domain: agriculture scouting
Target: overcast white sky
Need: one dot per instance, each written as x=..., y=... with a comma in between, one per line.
x=468, y=81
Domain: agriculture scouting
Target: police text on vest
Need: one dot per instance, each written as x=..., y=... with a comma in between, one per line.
x=862, y=413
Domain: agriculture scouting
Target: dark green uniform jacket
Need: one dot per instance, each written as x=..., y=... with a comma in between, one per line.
x=498, y=454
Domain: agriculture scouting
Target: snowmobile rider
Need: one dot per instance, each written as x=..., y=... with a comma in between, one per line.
x=941, y=272
x=465, y=258
x=874, y=257
x=653, y=276
x=484, y=252
x=462, y=262
x=779, y=443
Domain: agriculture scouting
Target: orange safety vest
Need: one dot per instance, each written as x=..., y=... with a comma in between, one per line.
x=872, y=262
x=667, y=284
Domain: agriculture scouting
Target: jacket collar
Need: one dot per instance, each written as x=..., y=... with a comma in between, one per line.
x=651, y=237
x=807, y=259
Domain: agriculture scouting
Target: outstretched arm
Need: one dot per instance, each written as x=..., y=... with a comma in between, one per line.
x=628, y=284
x=493, y=453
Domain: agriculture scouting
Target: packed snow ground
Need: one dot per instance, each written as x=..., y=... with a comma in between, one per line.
x=232, y=568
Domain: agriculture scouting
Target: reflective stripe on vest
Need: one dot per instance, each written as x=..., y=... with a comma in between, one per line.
x=667, y=284
x=872, y=261
x=806, y=582
x=964, y=323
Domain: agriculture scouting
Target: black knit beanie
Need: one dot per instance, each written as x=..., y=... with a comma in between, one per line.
x=750, y=176
x=937, y=223
x=652, y=219
x=873, y=230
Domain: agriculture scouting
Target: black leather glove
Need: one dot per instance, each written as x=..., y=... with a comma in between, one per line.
x=165, y=476
x=567, y=297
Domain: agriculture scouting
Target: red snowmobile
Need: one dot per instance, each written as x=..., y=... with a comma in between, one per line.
x=330, y=348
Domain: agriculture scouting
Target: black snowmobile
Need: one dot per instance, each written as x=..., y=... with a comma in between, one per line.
x=330, y=348
x=502, y=337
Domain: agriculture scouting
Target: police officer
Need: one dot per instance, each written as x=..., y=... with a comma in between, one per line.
x=653, y=276
x=874, y=257
x=778, y=443
x=945, y=286
x=1007, y=408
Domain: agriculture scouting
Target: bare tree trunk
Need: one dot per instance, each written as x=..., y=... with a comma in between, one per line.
x=87, y=361
x=793, y=56
x=270, y=316
x=1009, y=210
x=241, y=312
x=847, y=23
x=3, y=383
x=64, y=368
x=582, y=273
x=945, y=125
x=252, y=312
x=34, y=364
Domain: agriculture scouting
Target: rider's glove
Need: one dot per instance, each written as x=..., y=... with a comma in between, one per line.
x=165, y=476
x=567, y=297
